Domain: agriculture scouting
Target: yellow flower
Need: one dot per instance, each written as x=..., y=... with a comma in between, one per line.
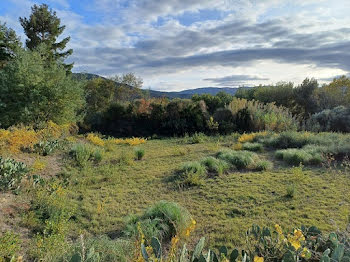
x=295, y=243
x=258, y=259
x=305, y=252
x=299, y=234
x=278, y=229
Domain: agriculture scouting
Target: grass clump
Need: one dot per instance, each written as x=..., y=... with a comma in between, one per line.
x=239, y=159
x=295, y=156
x=139, y=153
x=164, y=220
x=191, y=174
x=263, y=165
x=255, y=147
x=100, y=248
x=198, y=138
x=291, y=190
x=83, y=153
x=214, y=165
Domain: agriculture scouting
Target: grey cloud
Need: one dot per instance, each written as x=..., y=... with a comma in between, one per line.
x=234, y=80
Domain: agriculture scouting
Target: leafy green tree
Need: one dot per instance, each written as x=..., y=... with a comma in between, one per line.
x=99, y=94
x=129, y=87
x=33, y=91
x=44, y=27
x=9, y=44
x=305, y=98
x=336, y=93
x=281, y=94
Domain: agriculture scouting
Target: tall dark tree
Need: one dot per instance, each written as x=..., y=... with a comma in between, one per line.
x=43, y=26
x=304, y=97
x=9, y=43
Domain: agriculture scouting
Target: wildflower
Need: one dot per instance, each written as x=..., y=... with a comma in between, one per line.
x=278, y=229
x=95, y=140
x=305, y=253
x=258, y=259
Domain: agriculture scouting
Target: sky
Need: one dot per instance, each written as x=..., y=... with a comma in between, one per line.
x=184, y=44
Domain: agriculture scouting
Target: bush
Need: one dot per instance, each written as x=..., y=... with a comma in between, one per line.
x=191, y=174
x=46, y=147
x=139, y=153
x=336, y=119
x=291, y=190
x=256, y=147
x=256, y=116
x=11, y=173
x=198, y=138
x=264, y=165
x=214, y=165
x=238, y=159
x=34, y=91
x=299, y=156
x=81, y=154
x=163, y=220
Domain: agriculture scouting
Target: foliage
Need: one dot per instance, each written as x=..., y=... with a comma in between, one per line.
x=33, y=92
x=10, y=245
x=139, y=153
x=238, y=159
x=198, y=138
x=256, y=147
x=11, y=173
x=191, y=174
x=336, y=119
x=83, y=153
x=256, y=116
x=263, y=165
x=213, y=103
x=100, y=248
x=299, y=156
x=44, y=27
x=9, y=43
x=163, y=220
x=214, y=165
x=94, y=139
x=134, y=141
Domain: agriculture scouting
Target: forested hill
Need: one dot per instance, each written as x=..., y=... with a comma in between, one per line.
x=176, y=94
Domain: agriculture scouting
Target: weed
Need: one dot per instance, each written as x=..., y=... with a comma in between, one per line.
x=139, y=153
x=264, y=165
x=291, y=190
x=214, y=165
x=255, y=147
x=11, y=173
x=10, y=245
x=238, y=159
x=198, y=138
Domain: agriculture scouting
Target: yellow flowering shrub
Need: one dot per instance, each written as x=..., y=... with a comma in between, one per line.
x=237, y=146
x=128, y=141
x=96, y=140
x=246, y=138
x=16, y=138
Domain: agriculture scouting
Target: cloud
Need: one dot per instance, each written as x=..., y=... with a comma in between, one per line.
x=234, y=80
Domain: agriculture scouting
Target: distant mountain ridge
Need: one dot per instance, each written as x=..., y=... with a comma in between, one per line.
x=188, y=93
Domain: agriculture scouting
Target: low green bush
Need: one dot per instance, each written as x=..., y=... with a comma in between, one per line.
x=255, y=147
x=291, y=190
x=46, y=147
x=163, y=220
x=239, y=159
x=214, y=165
x=11, y=173
x=295, y=156
x=198, y=138
x=191, y=174
x=139, y=153
x=263, y=165
x=83, y=153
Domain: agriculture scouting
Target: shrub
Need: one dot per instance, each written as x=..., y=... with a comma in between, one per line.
x=11, y=173
x=163, y=220
x=246, y=138
x=239, y=159
x=97, y=155
x=256, y=147
x=46, y=147
x=9, y=246
x=299, y=156
x=198, y=138
x=336, y=119
x=264, y=165
x=191, y=174
x=94, y=139
x=139, y=153
x=81, y=154
x=214, y=165
x=291, y=190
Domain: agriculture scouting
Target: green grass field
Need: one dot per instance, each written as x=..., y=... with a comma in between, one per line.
x=102, y=194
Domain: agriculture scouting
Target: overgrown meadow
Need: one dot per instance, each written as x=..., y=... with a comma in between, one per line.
x=66, y=195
